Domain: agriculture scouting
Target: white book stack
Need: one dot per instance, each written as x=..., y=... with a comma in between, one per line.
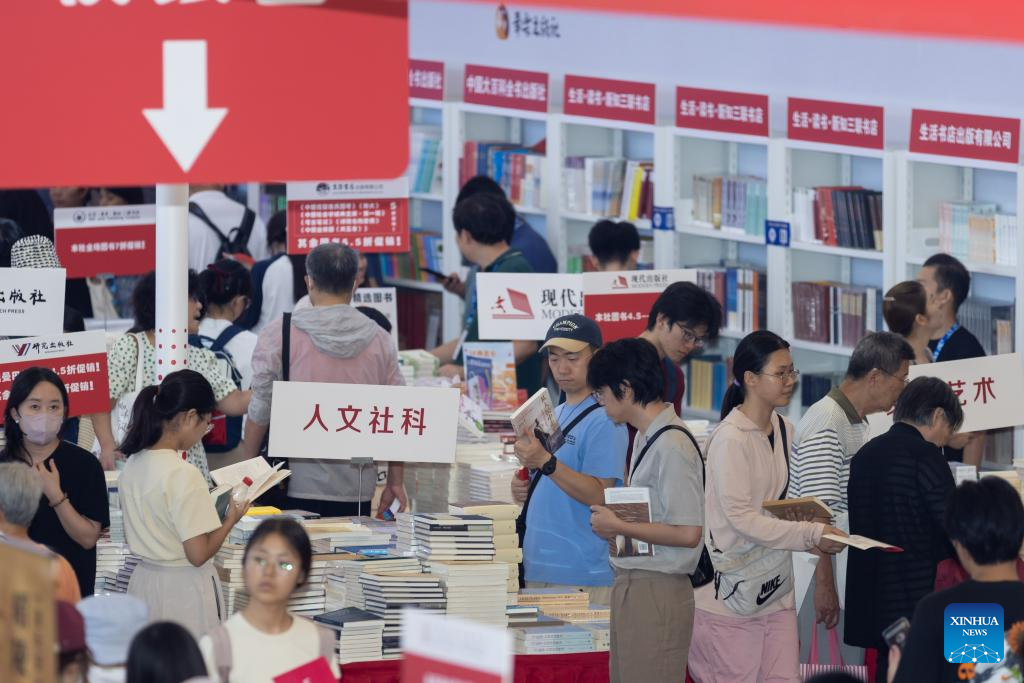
x=228, y=563
x=506, y=540
x=521, y=614
x=330, y=533
x=335, y=594
x=386, y=595
x=423, y=363
x=601, y=633
x=124, y=574
x=117, y=526
x=550, y=640
x=306, y=601
x=578, y=612
x=447, y=537
x=428, y=484
x=487, y=481
x=406, y=534
x=244, y=529
x=353, y=568
x=554, y=599
x=474, y=590
x=110, y=558
x=360, y=634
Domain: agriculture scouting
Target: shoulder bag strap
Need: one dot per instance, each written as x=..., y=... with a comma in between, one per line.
x=244, y=230
x=785, y=452
x=221, y=641
x=638, y=459
x=198, y=212
x=140, y=372
x=286, y=346
x=565, y=432
x=225, y=337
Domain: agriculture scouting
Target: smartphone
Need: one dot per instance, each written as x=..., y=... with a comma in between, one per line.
x=439, y=275
x=896, y=633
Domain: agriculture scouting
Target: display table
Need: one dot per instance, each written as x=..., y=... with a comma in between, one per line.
x=584, y=667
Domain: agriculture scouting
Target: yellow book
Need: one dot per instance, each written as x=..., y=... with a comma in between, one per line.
x=263, y=511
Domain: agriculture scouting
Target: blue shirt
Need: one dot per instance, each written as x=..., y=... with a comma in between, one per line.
x=534, y=247
x=560, y=547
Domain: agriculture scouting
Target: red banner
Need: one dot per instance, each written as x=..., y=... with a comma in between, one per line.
x=426, y=79
x=80, y=359
x=836, y=123
x=619, y=315
x=419, y=669
x=722, y=111
x=510, y=88
x=990, y=138
x=116, y=240
x=609, y=99
x=369, y=215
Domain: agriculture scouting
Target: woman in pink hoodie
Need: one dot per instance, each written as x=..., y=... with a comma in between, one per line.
x=745, y=620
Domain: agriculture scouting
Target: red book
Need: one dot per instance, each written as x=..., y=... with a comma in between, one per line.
x=317, y=671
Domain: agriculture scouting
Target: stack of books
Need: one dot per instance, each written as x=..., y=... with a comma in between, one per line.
x=228, y=563
x=991, y=322
x=601, y=633
x=838, y=217
x=506, y=540
x=522, y=614
x=730, y=203
x=386, y=595
x=360, y=634
x=578, y=612
x=835, y=313
x=447, y=537
x=335, y=595
x=555, y=599
x=550, y=640
x=110, y=558
x=243, y=530
x=474, y=590
x=485, y=480
x=124, y=574
x=613, y=187
x=406, y=544
x=423, y=363
x=427, y=484
x=742, y=292
x=353, y=567
x=425, y=155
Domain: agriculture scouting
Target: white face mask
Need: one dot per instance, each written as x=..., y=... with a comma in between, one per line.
x=41, y=429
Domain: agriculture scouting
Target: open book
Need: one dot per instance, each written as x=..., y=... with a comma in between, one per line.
x=863, y=543
x=264, y=477
x=631, y=504
x=537, y=416
x=798, y=508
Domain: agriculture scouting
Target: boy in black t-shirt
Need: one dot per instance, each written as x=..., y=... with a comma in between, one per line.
x=947, y=283
x=985, y=522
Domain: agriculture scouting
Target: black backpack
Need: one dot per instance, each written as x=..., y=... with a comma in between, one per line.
x=237, y=239
x=227, y=430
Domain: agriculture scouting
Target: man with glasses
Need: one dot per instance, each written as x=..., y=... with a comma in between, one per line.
x=828, y=436
x=559, y=549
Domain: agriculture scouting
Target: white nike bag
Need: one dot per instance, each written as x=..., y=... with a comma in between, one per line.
x=748, y=582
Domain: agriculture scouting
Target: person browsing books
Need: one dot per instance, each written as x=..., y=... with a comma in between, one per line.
x=170, y=519
x=484, y=225
x=745, y=621
x=899, y=484
x=615, y=245
x=652, y=597
x=263, y=640
x=828, y=437
x=947, y=282
x=559, y=548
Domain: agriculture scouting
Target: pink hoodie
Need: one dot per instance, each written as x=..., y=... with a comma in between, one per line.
x=743, y=471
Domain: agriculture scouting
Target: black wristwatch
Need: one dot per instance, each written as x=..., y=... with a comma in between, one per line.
x=548, y=468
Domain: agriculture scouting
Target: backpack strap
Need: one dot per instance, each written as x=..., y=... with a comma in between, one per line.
x=286, y=345
x=328, y=640
x=225, y=337
x=785, y=452
x=222, y=660
x=244, y=229
x=198, y=212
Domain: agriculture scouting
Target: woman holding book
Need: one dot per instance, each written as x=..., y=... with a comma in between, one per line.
x=745, y=621
x=170, y=519
x=263, y=640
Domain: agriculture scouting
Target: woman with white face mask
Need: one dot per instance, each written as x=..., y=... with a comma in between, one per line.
x=74, y=509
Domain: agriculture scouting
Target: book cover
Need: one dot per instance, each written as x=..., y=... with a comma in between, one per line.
x=537, y=415
x=631, y=504
x=490, y=370
x=797, y=508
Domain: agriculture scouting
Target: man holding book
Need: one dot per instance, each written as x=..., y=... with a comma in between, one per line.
x=559, y=549
x=829, y=435
x=652, y=597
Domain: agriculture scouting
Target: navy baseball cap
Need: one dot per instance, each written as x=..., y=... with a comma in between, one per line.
x=573, y=333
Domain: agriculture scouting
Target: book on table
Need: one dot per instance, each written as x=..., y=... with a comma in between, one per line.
x=630, y=504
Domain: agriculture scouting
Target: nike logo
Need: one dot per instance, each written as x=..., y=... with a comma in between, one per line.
x=769, y=588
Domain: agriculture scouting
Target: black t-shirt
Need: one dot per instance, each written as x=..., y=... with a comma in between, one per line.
x=81, y=477
x=923, y=652
x=960, y=345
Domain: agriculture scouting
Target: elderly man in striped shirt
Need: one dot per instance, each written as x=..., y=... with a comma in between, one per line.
x=828, y=436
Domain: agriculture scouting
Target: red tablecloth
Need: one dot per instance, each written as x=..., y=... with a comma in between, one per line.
x=586, y=667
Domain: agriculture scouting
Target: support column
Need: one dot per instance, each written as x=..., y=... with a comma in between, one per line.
x=171, y=280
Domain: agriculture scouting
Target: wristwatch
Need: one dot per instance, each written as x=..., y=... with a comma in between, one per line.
x=548, y=468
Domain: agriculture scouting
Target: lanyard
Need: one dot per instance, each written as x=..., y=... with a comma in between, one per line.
x=942, y=342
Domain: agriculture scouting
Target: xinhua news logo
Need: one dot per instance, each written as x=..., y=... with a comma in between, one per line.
x=973, y=633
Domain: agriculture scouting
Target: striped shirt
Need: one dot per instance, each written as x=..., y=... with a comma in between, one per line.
x=829, y=434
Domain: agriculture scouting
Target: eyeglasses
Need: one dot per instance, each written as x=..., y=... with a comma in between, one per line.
x=283, y=565
x=793, y=374
x=690, y=337
x=905, y=380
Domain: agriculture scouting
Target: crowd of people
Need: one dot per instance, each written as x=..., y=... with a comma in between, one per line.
x=717, y=599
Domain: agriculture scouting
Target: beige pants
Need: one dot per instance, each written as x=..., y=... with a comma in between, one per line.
x=599, y=595
x=188, y=595
x=651, y=626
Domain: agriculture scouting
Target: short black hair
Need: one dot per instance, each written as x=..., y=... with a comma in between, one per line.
x=277, y=228
x=376, y=316
x=293, y=533
x=479, y=184
x=130, y=195
x=686, y=303
x=632, y=361
x=10, y=232
x=489, y=218
x=986, y=517
x=951, y=274
x=883, y=350
x=613, y=241
x=920, y=399
x=144, y=299
x=164, y=652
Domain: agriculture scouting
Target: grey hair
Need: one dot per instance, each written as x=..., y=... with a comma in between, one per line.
x=885, y=351
x=20, y=491
x=332, y=267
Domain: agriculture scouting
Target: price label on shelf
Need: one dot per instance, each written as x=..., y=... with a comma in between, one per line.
x=426, y=79
x=777, y=233
x=836, y=123
x=722, y=111
x=663, y=218
x=510, y=88
x=989, y=138
x=108, y=240
x=604, y=98
x=369, y=215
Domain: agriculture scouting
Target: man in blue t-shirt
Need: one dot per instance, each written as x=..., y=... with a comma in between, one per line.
x=559, y=549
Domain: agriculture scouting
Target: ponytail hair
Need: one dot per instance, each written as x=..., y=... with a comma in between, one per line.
x=752, y=354
x=157, y=405
x=222, y=281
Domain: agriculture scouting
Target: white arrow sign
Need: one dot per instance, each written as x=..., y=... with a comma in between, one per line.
x=185, y=124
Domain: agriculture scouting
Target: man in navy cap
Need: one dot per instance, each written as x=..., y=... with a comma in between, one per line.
x=559, y=548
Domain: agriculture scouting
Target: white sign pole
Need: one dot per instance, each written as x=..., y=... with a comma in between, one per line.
x=171, y=279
